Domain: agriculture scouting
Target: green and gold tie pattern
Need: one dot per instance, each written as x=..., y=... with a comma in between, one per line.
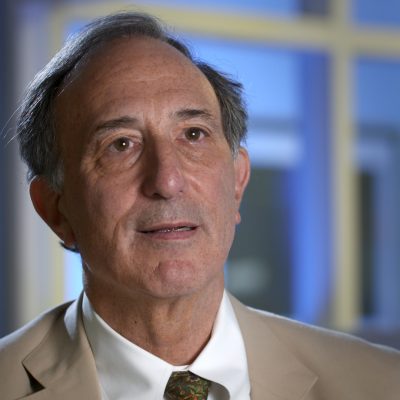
x=184, y=385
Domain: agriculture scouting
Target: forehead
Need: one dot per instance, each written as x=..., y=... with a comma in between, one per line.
x=135, y=67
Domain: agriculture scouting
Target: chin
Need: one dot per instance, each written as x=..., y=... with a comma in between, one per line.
x=177, y=279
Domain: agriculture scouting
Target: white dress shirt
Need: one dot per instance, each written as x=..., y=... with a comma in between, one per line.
x=126, y=371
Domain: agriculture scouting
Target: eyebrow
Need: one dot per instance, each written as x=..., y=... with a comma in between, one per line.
x=121, y=122
x=129, y=122
x=188, y=113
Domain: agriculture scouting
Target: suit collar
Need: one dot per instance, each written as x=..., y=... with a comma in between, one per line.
x=275, y=372
x=63, y=363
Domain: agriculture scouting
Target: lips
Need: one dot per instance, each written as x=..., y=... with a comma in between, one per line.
x=169, y=228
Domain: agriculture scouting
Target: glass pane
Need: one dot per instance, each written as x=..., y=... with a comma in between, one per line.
x=378, y=160
x=366, y=228
x=373, y=12
x=378, y=91
x=72, y=275
x=260, y=268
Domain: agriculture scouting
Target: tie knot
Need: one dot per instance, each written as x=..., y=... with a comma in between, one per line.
x=184, y=385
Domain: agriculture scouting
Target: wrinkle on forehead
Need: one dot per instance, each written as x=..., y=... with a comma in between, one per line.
x=151, y=54
x=138, y=61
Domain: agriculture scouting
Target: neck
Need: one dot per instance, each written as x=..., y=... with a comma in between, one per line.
x=174, y=329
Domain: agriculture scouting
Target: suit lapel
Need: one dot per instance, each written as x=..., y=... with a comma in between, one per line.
x=275, y=373
x=64, y=366
x=63, y=363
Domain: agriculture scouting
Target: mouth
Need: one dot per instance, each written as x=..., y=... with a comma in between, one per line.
x=170, y=229
x=175, y=231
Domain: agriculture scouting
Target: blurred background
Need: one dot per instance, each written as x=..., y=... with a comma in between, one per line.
x=320, y=237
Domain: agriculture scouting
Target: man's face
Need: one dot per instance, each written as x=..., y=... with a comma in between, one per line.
x=151, y=190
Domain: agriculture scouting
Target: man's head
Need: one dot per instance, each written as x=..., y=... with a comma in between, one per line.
x=152, y=177
x=35, y=129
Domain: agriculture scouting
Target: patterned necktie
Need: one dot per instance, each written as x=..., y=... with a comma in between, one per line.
x=184, y=385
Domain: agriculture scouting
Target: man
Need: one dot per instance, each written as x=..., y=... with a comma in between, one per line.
x=135, y=161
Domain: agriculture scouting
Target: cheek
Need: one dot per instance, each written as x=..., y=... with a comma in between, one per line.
x=96, y=211
x=225, y=188
x=222, y=196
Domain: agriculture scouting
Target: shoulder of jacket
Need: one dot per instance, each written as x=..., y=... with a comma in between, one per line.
x=316, y=334
x=15, y=382
x=327, y=344
x=31, y=334
x=337, y=358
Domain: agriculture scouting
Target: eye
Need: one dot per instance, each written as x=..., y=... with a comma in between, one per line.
x=194, y=134
x=121, y=144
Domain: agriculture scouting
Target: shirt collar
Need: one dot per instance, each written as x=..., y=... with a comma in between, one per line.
x=223, y=360
x=127, y=371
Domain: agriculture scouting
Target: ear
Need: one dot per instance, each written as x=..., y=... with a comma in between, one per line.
x=46, y=202
x=242, y=176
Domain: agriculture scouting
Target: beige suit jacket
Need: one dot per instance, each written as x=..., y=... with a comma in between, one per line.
x=50, y=359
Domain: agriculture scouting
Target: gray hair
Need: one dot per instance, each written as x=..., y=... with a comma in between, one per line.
x=35, y=124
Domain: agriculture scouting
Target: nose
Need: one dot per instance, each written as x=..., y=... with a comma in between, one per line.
x=163, y=175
